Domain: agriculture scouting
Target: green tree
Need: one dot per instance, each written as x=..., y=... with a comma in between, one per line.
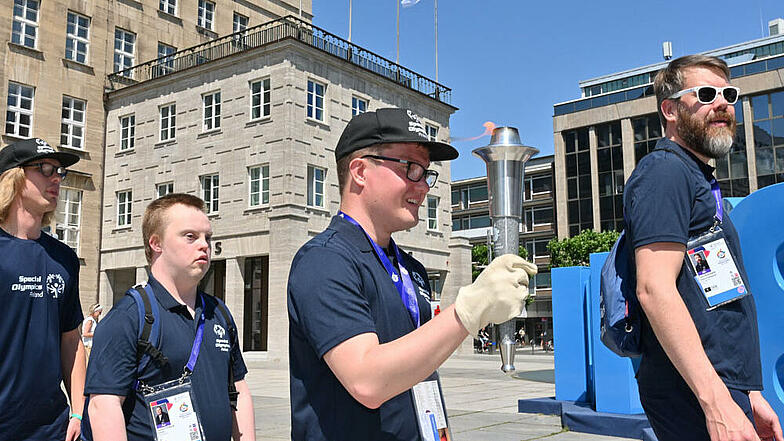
x=575, y=251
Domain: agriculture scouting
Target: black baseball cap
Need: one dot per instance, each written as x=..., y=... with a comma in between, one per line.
x=28, y=150
x=386, y=126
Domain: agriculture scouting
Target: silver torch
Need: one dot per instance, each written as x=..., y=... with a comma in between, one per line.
x=505, y=158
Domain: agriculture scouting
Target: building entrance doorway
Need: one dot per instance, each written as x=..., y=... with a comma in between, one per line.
x=256, y=303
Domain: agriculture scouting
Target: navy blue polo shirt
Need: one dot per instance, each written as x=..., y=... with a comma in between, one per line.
x=40, y=301
x=338, y=289
x=112, y=367
x=668, y=199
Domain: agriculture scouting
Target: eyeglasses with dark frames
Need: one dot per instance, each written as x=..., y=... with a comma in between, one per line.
x=414, y=170
x=48, y=169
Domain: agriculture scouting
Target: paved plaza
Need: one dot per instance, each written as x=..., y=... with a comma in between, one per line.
x=481, y=400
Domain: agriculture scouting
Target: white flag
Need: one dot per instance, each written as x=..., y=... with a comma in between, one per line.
x=407, y=3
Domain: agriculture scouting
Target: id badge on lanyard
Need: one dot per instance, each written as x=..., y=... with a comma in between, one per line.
x=174, y=415
x=173, y=411
x=712, y=263
x=430, y=410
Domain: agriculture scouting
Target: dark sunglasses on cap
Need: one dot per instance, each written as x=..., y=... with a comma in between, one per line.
x=708, y=94
x=48, y=169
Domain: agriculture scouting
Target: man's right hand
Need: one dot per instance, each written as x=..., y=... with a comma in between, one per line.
x=497, y=295
x=727, y=422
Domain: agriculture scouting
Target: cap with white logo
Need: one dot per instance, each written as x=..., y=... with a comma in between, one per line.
x=28, y=150
x=387, y=126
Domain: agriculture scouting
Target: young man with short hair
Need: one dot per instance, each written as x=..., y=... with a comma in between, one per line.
x=360, y=334
x=177, y=243
x=41, y=312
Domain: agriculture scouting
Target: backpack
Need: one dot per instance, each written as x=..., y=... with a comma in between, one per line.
x=618, y=306
x=150, y=334
x=619, y=309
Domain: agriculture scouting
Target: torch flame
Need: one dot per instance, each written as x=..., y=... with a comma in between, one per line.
x=489, y=127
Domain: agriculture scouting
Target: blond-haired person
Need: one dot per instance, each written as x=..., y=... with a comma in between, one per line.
x=88, y=327
x=41, y=314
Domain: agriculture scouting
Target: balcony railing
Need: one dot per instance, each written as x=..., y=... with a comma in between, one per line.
x=288, y=27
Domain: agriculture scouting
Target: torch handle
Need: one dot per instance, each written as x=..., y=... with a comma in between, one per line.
x=506, y=237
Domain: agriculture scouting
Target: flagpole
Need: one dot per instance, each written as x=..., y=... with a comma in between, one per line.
x=397, y=53
x=349, y=21
x=436, y=25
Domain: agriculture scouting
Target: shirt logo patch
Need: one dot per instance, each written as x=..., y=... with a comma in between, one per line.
x=55, y=285
x=419, y=280
x=218, y=330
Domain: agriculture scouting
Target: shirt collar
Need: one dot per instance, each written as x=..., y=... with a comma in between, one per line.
x=165, y=298
x=705, y=168
x=351, y=233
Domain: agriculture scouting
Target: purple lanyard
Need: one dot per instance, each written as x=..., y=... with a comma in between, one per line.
x=717, y=196
x=196, y=341
x=403, y=281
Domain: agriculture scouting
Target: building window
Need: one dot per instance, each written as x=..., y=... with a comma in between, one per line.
x=578, y=181
x=436, y=286
x=316, y=100
x=19, y=113
x=542, y=281
x=25, y=25
x=610, y=165
x=124, y=208
x=212, y=110
x=358, y=105
x=239, y=23
x=72, y=124
x=164, y=189
x=537, y=248
x=77, y=38
x=258, y=186
x=647, y=131
x=260, y=99
x=432, y=213
x=168, y=6
x=127, y=132
x=124, y=43
x=732, y=170
x=165, y=59
x=768, y=119
x=465, y=197
x=537, y=186
x=316, y=186
x=538, y=217
x=206, y=14
x=432, y=132
x=67, y=219
x=168, y=121
x=470, y=222
x=209, y=191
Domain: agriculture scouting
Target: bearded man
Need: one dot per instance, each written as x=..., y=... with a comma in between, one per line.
x=700, y=376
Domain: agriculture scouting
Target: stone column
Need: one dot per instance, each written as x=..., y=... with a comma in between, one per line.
x=235, y=293
x=141, y=274
x=458, y=275
x=105, y=293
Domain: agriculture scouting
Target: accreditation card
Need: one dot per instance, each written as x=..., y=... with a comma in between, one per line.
x=713, y=267
x=173, y=415
x=429, y=406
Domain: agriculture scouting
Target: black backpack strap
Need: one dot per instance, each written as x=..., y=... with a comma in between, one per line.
x=149, y=329
x=233, y=394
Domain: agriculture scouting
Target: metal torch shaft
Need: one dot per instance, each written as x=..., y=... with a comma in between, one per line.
x=507, y=241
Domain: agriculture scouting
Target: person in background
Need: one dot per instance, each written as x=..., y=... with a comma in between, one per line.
x=88, y=328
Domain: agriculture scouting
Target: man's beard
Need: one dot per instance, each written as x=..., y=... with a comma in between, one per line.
x=699, y=135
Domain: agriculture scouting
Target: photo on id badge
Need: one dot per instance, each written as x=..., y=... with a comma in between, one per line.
x=161, y=415
x=699, y=262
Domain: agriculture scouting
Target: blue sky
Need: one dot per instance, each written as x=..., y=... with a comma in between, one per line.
x=510, y=61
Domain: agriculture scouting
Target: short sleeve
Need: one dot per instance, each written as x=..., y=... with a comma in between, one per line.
x=658, y=201
x=71, y=316
x=328, y=303
x=112, y=367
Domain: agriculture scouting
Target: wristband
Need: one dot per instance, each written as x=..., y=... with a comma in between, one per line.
x=77, y=416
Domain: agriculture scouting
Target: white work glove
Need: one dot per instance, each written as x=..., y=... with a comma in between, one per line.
x=497, y=295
